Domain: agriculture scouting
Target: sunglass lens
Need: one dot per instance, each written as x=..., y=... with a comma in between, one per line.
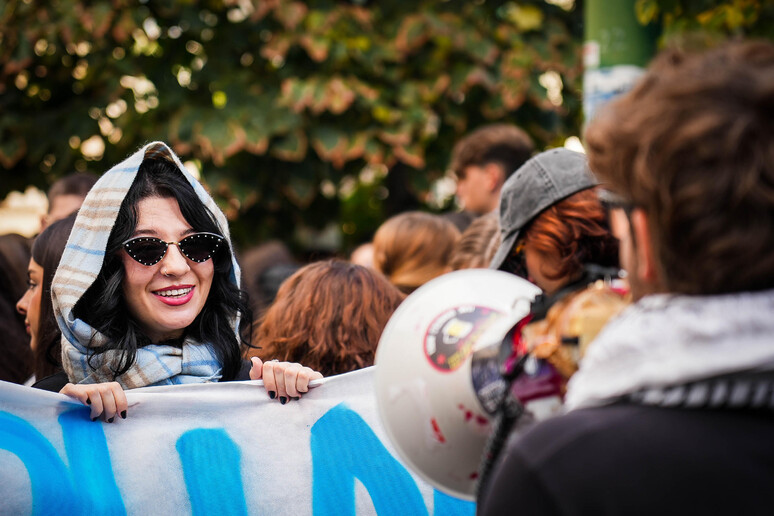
x=147, y=251
x=200, y=247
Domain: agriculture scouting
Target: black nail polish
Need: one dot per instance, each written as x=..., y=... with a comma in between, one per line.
x=296, y=398
x=283, y=400
x=272, y=394
x=94, y=419
x=123, y=414
x=111, y=419
x=88, y=401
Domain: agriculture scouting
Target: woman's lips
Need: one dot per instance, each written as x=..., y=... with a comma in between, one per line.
x=176, y=295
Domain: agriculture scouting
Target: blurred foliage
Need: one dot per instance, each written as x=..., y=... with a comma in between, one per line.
x=294, y=111
x=705, y=22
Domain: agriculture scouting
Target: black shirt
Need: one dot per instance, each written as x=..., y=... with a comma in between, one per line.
x=631, y=459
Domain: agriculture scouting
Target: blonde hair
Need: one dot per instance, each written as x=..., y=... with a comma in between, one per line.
x=414, y=247
x=473, y=249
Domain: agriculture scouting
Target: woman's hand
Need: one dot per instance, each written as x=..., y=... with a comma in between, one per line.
x=283, y=380
x=105, y=399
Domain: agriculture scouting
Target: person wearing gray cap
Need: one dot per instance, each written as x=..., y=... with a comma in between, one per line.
x=552, y=224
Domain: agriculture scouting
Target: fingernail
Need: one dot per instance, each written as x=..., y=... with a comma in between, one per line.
x=272, y=394
x=283, y=400
x=111, y=419
x=88, y=401
x=296, y=398
x=123, y=414
x=94, y=419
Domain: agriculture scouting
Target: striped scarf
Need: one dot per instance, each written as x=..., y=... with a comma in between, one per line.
x=81, y=262
x=683, y=351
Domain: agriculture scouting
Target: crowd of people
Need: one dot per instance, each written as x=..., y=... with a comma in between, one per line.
x=137, y=283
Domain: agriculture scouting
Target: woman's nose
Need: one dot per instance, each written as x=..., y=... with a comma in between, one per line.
x=174, y=263
x=23, y=303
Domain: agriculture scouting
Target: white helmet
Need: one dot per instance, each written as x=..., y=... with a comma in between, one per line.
x=434, y=412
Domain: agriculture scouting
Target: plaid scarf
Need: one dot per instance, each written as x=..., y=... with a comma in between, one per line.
x=81, y=262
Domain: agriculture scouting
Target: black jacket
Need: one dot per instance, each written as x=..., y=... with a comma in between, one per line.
x=630, y=459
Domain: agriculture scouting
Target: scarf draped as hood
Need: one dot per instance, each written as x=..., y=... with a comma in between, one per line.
x=82, y=260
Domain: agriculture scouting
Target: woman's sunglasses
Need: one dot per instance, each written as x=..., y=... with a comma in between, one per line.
x=198, y=248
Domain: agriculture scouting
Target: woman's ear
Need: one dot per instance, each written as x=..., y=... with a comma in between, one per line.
x=495, y=177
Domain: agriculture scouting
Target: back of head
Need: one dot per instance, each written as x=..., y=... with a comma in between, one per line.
x=47, y=251
x=264, y=268
x=16, y=359
x=474, y=249
x=504, y=144
x=414, y=247
x=575, y=230
x=693, y=146
x=328, y=316
x=66, y=195
x=78, y=183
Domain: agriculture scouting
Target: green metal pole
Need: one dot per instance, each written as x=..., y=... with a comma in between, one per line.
x=615, y=52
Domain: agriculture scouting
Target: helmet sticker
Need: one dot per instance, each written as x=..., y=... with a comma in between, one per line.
x=451, y=336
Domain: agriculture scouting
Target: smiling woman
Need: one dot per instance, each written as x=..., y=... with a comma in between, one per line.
x=148, y=291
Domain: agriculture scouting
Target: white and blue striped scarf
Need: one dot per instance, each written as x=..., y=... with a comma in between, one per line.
x=155, y=364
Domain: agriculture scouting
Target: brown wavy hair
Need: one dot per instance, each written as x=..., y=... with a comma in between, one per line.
x=473, y=251
x=329, y=316
x=576, y=230
x=692, y=145
x=414, y=247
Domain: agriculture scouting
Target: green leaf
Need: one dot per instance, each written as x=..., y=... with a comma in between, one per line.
x=291, y=147
x=646, y=10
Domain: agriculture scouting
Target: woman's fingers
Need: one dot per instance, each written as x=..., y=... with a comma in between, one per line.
x=106, y=400
x=269, y=382
x=283, y=380
x=108, y=405
x=290, y=378
x=256, y=370
x=306, y=375
x=278, y=368
x=120, y=399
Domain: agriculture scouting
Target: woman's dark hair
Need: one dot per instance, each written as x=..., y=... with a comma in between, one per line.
x=47, y=251
x=16, y=359
x=103, y=305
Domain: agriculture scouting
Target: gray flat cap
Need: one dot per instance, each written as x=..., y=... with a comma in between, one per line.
x=541, y=182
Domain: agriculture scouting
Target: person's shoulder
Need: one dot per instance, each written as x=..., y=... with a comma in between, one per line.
x=618, y=456
x=53, y=383
x=553, y=435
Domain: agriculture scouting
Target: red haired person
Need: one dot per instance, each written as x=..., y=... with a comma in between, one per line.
x=553, y=227
x=329, y=315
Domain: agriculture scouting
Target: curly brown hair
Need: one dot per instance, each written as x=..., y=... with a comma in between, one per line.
x=329, y=316
x=576, y=230
x=692, y=145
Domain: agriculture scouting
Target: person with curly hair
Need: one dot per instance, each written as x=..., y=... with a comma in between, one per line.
x=329, y=316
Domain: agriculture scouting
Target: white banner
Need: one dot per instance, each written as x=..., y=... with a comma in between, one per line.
x=209, y=449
